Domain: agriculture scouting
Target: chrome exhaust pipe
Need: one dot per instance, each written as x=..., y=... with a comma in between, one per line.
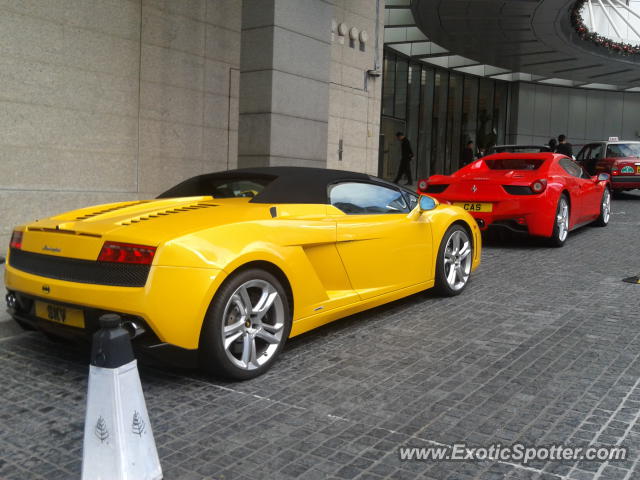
x=134, y=328
x=12, y=300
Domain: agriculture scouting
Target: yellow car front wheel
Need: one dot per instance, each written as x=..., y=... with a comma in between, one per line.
x=246, y=327
x=453, y=265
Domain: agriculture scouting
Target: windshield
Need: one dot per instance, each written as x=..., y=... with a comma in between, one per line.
x=219, y=187
x=619, y=150
x=514, y=163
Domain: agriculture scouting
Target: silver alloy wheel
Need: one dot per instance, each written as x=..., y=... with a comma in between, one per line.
x=562, y=219
x=253, y=324
x=457, y=260
x=606, y=206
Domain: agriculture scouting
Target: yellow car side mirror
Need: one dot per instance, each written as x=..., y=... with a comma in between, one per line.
x=426, y=203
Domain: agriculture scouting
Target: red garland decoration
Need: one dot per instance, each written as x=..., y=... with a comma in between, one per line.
x=584, y=33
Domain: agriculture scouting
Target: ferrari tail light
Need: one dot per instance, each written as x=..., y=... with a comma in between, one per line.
x=16, y=240
x=539, y=186
x=422, y=185
x=117, y=252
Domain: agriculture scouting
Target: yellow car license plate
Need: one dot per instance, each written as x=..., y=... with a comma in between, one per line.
x=475, y=207
x=637, y=168
x=59, y=314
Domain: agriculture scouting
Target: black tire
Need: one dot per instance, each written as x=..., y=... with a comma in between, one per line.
x=605, y=209
x=442, y=285
x=558, y=239
x=617, y=194
x=213, y=356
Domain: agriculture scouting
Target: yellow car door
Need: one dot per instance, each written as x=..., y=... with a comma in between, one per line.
x=383, y=246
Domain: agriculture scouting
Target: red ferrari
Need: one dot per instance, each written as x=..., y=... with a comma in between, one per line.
x=543, y=194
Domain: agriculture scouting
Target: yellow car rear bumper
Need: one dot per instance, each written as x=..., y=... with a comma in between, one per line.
x=173, y=303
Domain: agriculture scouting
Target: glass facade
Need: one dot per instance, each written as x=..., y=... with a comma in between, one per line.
x=439, y=111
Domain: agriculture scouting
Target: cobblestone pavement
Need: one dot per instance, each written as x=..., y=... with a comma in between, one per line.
x=543, y=347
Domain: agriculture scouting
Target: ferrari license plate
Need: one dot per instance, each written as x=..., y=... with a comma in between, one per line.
x=637, y=168
x=59, y=314
x=475, y=207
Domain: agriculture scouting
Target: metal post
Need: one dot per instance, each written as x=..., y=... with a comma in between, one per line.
x=606, y=14
x=592, y=17
x=615, y=9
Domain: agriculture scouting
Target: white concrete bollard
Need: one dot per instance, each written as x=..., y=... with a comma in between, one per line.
x=118, y=441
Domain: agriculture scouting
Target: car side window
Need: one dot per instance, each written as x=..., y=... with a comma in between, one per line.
x=596, y=152
x=358, y=198
x=582, y=155
x=412, y=199
x=615, y=151
x=572, y=168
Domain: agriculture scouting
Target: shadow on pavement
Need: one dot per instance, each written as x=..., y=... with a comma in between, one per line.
x=627, y=196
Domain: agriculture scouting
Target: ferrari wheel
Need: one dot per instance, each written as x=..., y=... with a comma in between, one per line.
x=246, y=327
x=561, y=223
x=605, y=209
x=453, y=266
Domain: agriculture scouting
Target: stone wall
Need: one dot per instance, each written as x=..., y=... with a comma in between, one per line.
x=107, y=100
x=284, y=87
x=354, y=96
x=540, y=112
x=305, y=96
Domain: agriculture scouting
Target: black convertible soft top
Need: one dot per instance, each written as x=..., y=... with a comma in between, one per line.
x=282, y=184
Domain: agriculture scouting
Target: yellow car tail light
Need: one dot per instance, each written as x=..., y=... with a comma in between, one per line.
x=117, y=252
x=16, y=240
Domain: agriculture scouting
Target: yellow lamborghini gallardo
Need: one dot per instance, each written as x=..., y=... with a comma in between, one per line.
x=221, y=269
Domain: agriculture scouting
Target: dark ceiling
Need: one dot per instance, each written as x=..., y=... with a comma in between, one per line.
x=530, y=36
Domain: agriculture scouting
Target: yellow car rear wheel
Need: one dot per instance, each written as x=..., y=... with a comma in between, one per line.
x=246, y=327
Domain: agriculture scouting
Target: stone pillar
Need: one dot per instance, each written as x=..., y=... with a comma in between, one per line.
x=284, y=82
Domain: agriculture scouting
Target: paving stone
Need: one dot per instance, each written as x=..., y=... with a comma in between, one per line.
x=543, y=347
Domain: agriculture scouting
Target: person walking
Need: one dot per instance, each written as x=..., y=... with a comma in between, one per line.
x=564, y=147
x=405, y=159
x=467, y=154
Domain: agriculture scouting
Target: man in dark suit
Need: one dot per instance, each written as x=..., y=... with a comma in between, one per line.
x=467, y=154
x=405, y=159
x=564, y=147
